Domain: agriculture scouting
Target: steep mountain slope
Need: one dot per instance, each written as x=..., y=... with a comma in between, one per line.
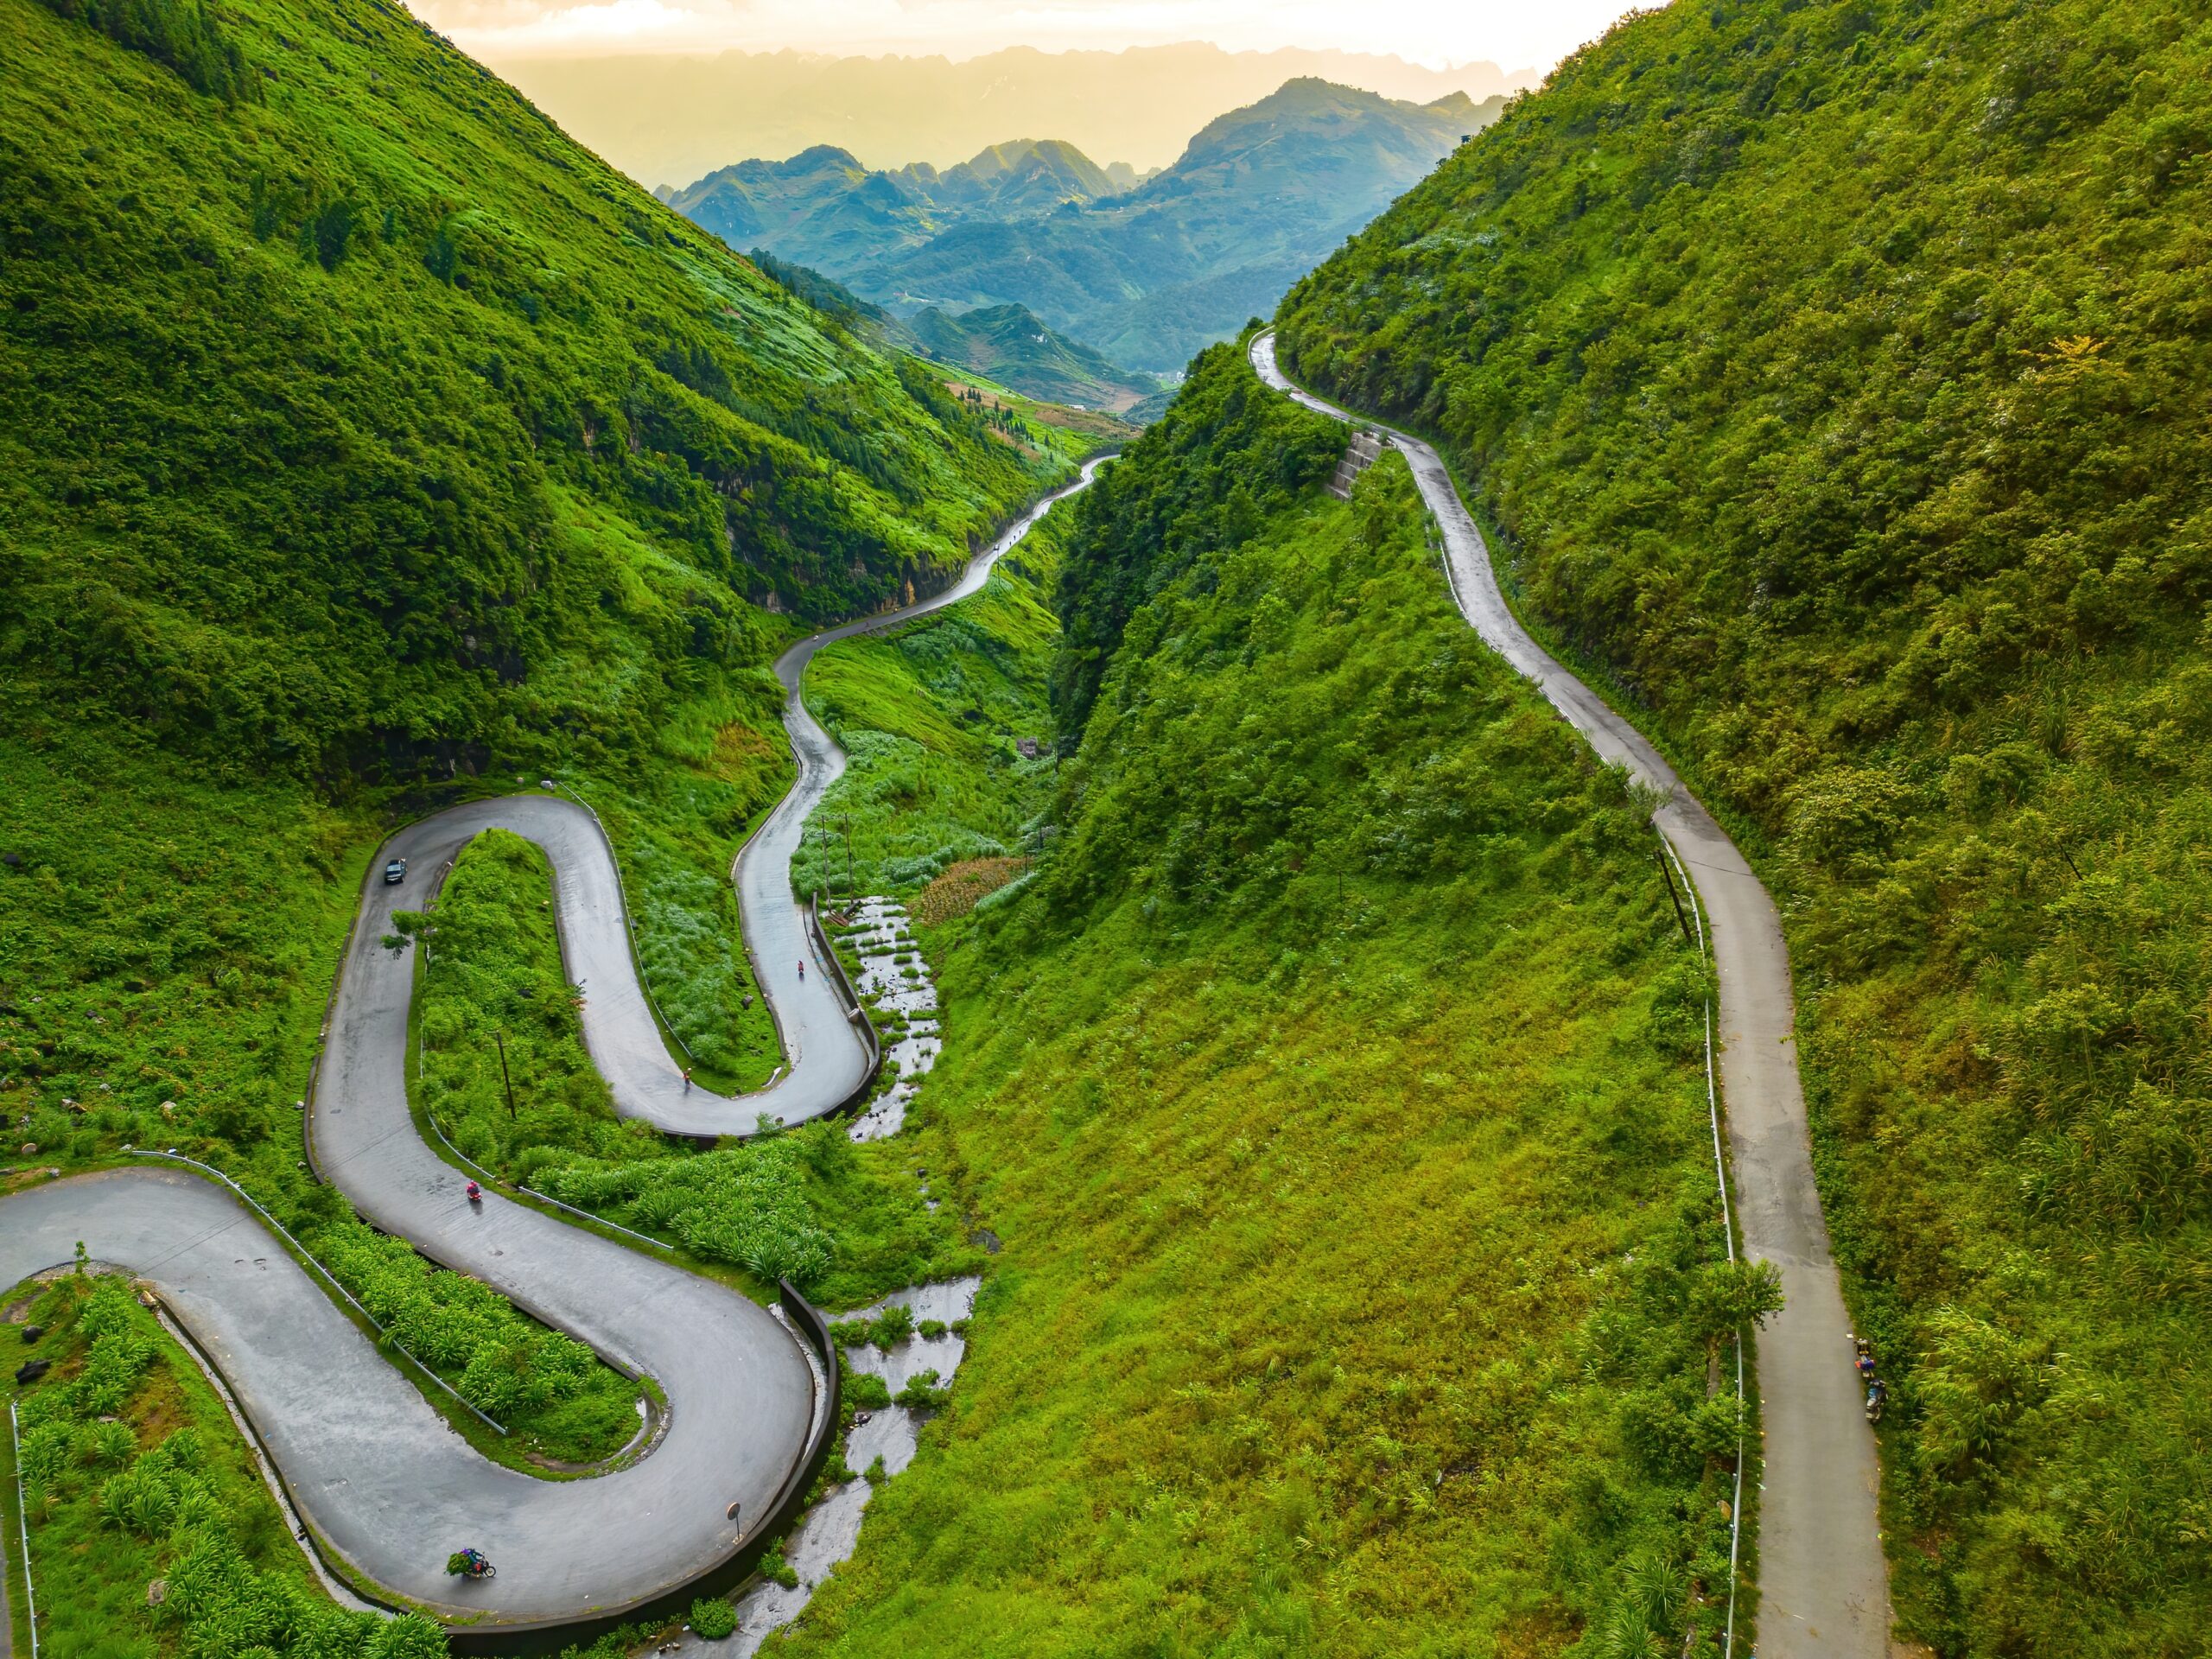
x=663, y=119
x=357, y=418
x=1147, y=274
x=1011, y=345
x=1335, y=1087
x=1837, y=375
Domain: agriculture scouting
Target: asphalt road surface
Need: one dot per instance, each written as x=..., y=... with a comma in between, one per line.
x=371, y=1467
x=1824, y=1585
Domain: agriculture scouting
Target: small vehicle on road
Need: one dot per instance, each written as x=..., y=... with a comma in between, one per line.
x=394, y=873
x=470, y=1564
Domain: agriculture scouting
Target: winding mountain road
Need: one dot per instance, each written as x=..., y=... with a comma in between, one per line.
x=1824, y=1585
x=390, y=1487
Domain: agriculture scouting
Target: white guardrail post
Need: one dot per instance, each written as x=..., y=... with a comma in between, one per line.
x=24, y=1527
x=1728, y=1235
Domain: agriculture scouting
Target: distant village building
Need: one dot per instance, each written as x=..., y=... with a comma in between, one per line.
x=1030, y=747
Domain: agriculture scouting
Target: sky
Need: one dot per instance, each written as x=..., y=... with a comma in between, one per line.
x=1512, y=34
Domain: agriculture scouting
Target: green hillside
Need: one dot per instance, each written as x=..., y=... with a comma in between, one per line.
x=1335, y=1088
x=1839, y=378
x=356, y=418
x=1010, y=345
x=370, y=446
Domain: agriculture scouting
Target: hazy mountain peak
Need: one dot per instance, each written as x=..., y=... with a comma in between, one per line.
x=676, y=117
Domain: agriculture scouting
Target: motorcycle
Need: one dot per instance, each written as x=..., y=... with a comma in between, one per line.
x=470, y=1564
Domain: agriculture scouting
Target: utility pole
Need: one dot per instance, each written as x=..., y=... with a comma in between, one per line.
x=499, y=1036
x=851, y=891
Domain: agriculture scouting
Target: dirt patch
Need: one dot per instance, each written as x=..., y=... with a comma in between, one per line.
x=742, y=754
x=962, y=886
x=159, y=1408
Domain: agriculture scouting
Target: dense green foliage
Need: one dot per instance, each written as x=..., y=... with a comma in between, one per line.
x=1838, y=376
x=132, y=1475
x=929, y=716
x=1335, y=1087
x=178, y=32
x=843, y=1222
x=370, y=423
x=1149, y=519
x=140, y=966
x=548, y=1391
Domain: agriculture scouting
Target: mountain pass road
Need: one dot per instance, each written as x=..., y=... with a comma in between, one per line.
x=379, y=1474
x=1823, y=1583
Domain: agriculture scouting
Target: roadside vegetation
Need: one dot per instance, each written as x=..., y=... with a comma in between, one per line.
x=1837, y=377
x=844, y=1222
x=151, y=1531
x=1336, y=1088
x=372, y=448
x=931, y=716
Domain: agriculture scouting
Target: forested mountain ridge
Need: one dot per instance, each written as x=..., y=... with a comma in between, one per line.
x=1836, y=377
x=360, y=420
x=822, y=208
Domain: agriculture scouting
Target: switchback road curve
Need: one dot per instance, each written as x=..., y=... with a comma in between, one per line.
x=389, y=1487
x=1823, y=1584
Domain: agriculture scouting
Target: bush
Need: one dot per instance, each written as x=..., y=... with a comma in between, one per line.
x=775, y=1569
x=922, y=1393
x=892, y=1326
x=712, y=1617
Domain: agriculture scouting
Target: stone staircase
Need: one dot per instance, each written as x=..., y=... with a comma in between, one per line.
x=1366, y=448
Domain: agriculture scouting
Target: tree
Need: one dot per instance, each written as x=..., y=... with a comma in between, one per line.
x=1730, y=1294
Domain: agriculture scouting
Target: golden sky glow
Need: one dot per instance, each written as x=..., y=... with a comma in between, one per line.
x=1513, y=34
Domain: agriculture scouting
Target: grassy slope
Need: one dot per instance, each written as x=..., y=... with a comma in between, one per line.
x=929, y=715
x=842, y=1221
x=164, y=1492
x=1335, y=1089
x=1837, y=375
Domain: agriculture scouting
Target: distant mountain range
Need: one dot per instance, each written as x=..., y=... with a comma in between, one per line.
x=1005, y=344
x=1146, y=271
x=664, y=118
x=822, y=207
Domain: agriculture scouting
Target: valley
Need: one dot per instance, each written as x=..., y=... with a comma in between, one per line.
x=1189, y=851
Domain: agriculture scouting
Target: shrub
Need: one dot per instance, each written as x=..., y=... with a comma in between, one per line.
x=775, y=1569
x=713, y=1618
x=922, y=1393
x=892, y=1326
